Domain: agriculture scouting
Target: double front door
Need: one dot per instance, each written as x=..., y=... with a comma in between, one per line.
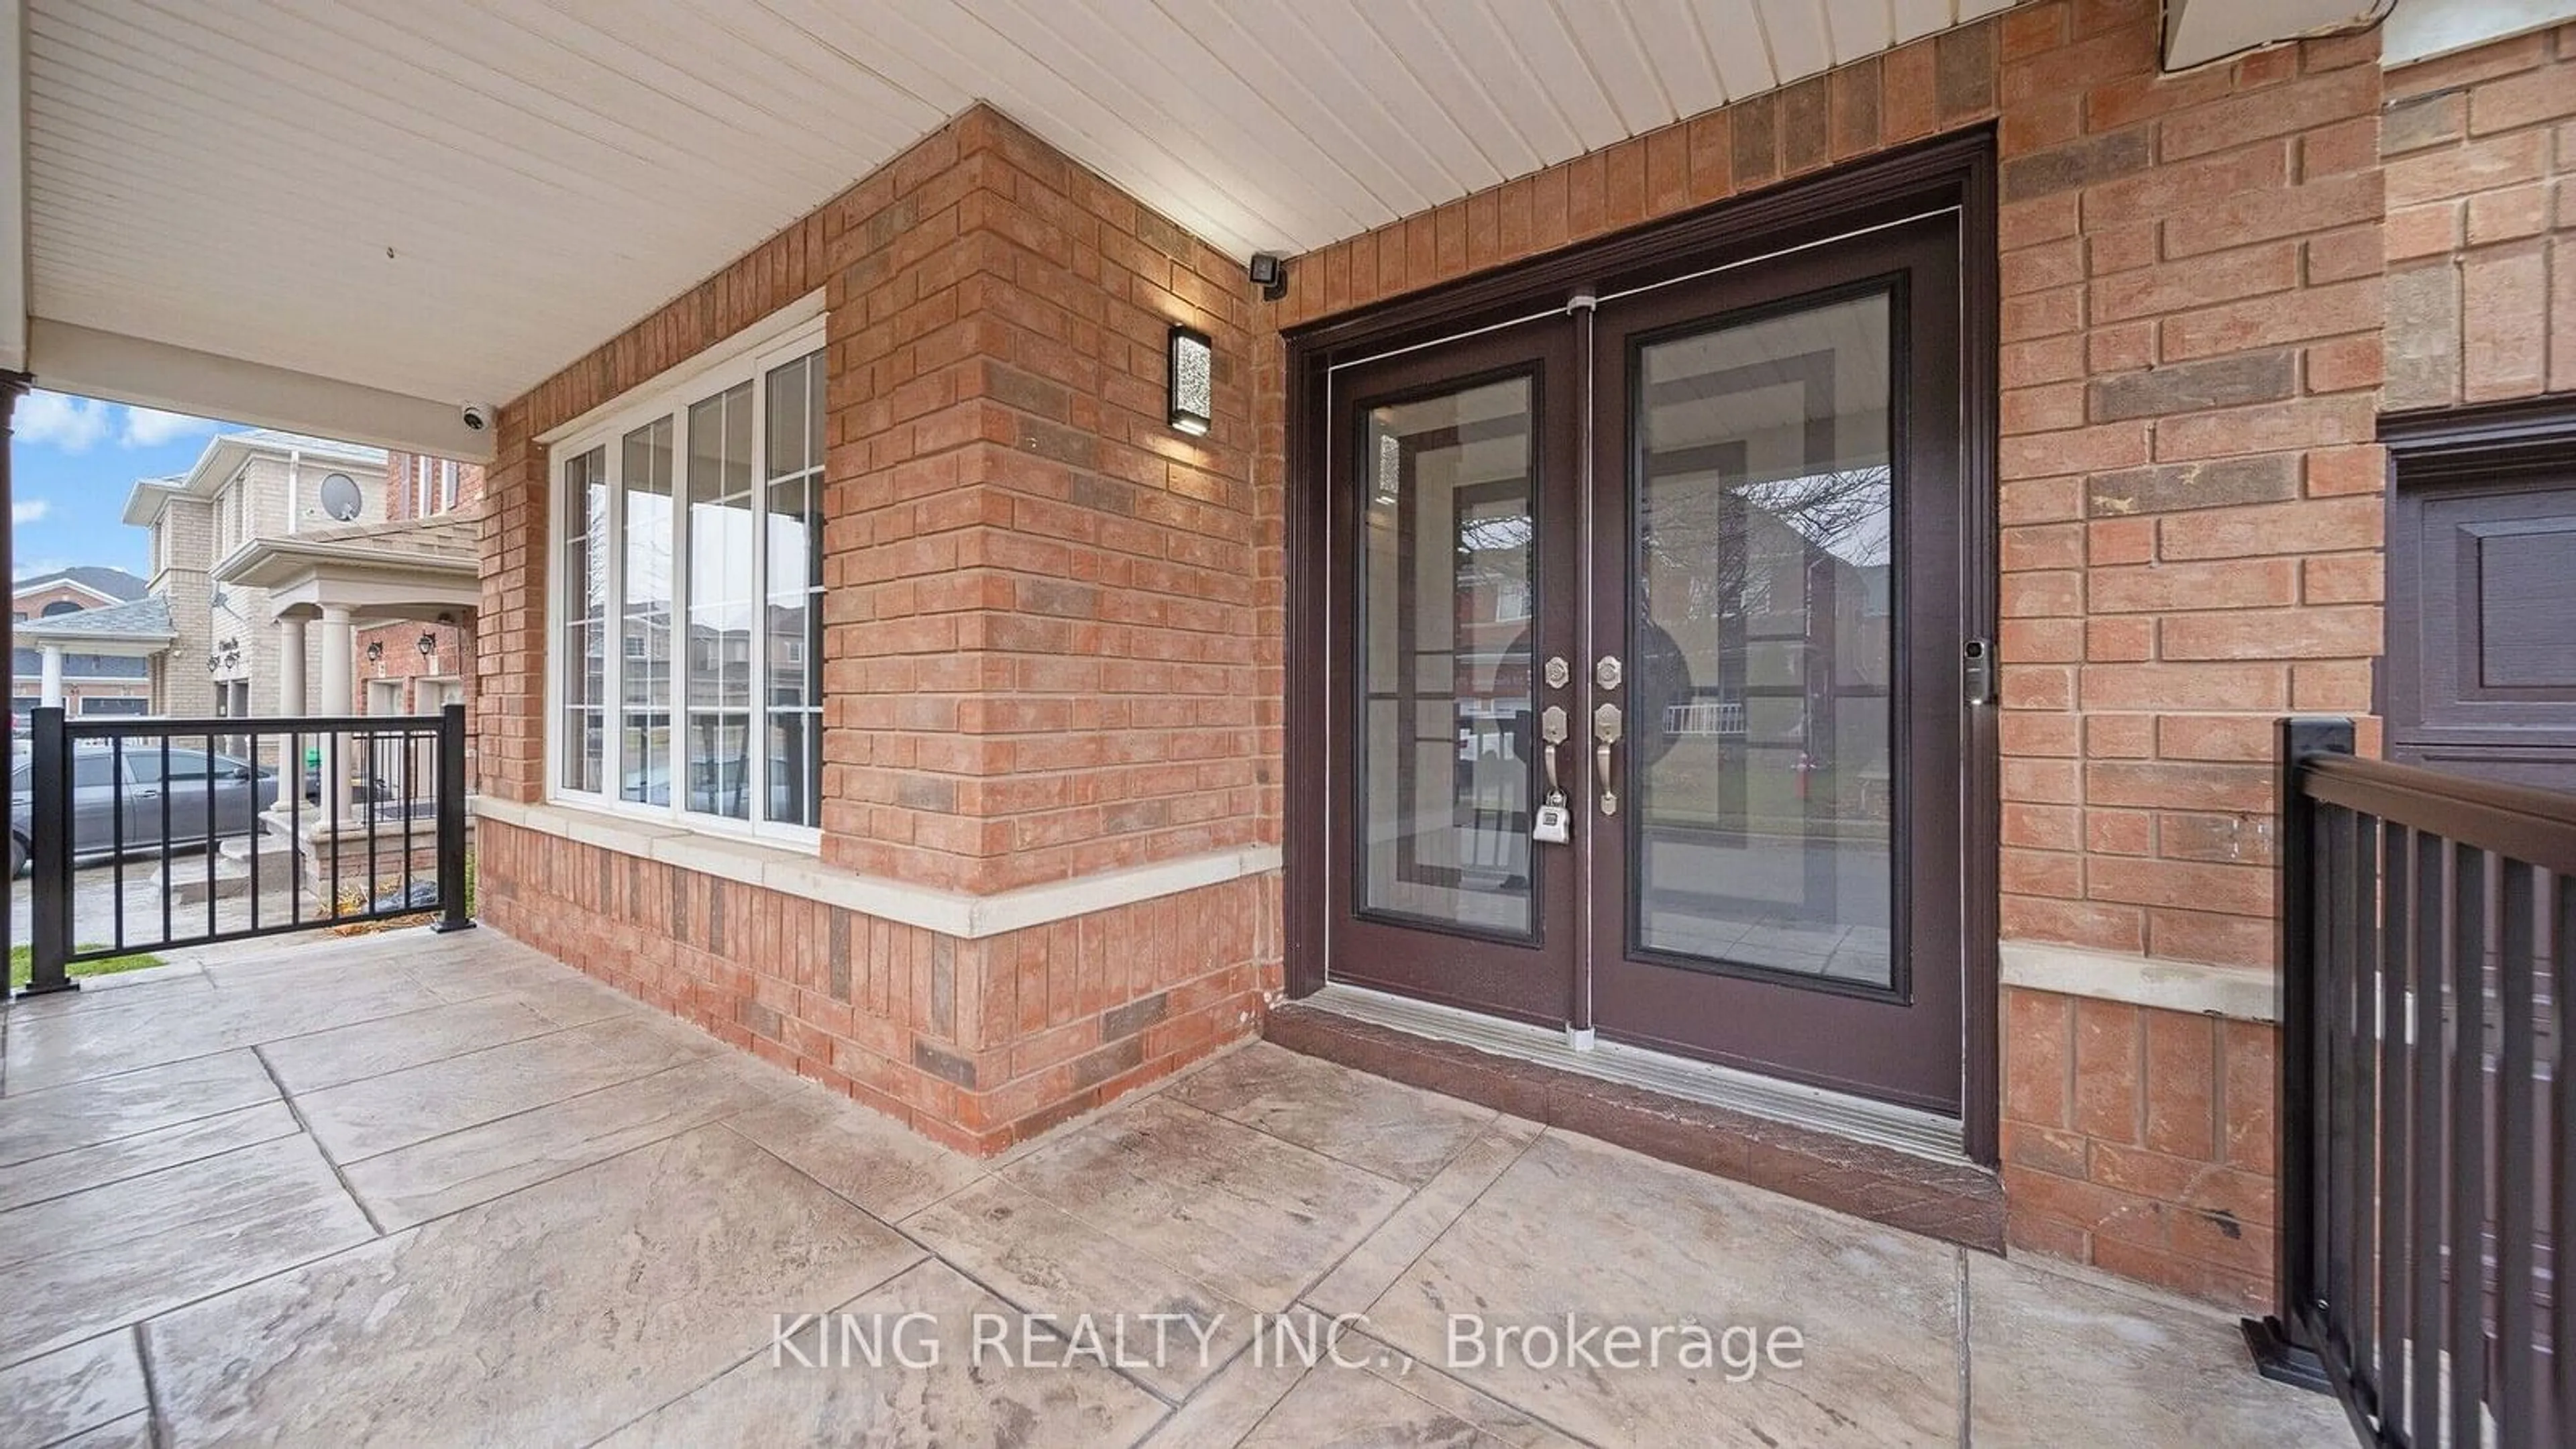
x=1647, y=643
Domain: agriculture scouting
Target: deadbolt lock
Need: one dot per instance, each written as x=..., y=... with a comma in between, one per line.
x=1605, y=671
x=1559, y=673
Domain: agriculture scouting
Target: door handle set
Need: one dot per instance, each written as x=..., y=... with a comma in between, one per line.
x=1550, y=823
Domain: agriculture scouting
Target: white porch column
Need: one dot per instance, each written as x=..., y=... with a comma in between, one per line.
x=290, y=666
x=53, y=676
x=338, y=669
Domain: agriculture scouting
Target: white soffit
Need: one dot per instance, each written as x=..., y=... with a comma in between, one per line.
x=452, y=201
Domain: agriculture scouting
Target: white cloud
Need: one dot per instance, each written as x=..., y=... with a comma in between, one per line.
x=29, y=568
x=75, y=424
x=69, y=423
x=32, y=510
x=151, y=427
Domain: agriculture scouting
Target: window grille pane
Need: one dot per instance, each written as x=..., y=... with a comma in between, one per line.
x=792, y=534
x=585, y=692
x=644, y=721
x=721, y=609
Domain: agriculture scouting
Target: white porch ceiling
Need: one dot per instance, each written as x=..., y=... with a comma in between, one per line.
x=448, y=202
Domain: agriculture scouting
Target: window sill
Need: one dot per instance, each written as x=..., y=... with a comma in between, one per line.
x=796, y=873
x=2238, y=993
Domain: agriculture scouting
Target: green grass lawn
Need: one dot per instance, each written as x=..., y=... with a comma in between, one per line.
x=22, y=962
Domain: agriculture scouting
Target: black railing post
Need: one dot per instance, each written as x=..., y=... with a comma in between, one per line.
x=49, y=854
x=451, y=820
x=2285, y=1348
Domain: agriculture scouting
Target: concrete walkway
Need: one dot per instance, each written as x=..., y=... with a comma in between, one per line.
x=429, y=1190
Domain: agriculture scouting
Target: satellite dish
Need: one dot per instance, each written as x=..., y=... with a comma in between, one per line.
x=341, y=498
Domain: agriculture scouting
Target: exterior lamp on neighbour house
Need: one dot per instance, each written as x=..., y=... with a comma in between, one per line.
x=375, y=651
x=1192, y=387
x=427, y=645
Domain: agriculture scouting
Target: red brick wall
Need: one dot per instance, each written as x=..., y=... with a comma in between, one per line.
x=1042, y=652
x=979, y=1043
x=401, y=658
x=2189, y=490
x=2480, y=148
x=2141, y=1141
x=1042, y=648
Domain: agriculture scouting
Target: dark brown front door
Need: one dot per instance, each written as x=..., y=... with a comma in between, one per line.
x=1778, y=569
x=1454, y=471
x=1735, y=623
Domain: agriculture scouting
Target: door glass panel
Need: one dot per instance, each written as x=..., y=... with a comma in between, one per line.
x=1762, y=639
x=1448, y=552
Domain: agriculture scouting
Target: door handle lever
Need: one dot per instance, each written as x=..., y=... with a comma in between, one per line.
x=1551, y=729
x=1605, y=733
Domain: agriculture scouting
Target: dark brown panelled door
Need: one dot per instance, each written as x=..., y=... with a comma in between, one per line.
x=1777, y=513
x=1751, y=695
x=1452, y=478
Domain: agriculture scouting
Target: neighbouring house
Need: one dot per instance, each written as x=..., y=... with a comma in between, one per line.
x=84, y=683
x=226, y=655
x=939, y=623
x=272, y=532
x=420, y=666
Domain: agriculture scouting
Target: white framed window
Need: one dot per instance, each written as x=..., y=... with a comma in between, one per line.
x=688, y=588
x=433, y=485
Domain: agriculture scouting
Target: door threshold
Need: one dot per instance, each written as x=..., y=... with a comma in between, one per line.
x=1909, y=1130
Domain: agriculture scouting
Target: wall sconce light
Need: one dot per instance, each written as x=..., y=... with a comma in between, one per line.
x=428, y=645
x=375, y=650
x=1193, y=381
x=214, y=663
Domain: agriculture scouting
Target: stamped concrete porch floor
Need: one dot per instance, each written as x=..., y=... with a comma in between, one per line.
x=429, y=1190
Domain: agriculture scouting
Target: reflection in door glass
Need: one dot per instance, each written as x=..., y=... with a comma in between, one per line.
x=1763, y=638
x=1446, y=569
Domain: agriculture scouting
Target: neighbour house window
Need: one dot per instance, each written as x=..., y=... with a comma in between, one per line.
x=689, y=587
x=433, y=485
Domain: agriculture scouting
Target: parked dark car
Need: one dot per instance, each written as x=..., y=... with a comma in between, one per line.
x=240, y=790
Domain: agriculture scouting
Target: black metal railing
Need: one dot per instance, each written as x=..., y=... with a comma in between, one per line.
x=287, y=824
x=2427, y=1109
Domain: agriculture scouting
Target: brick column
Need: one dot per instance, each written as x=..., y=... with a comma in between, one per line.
x=2191, y=531
x=1041, y=657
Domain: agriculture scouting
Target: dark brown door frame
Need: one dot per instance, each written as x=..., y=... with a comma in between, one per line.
x=1954, y=171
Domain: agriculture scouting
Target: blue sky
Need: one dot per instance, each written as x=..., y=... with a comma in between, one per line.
x=74, y=461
